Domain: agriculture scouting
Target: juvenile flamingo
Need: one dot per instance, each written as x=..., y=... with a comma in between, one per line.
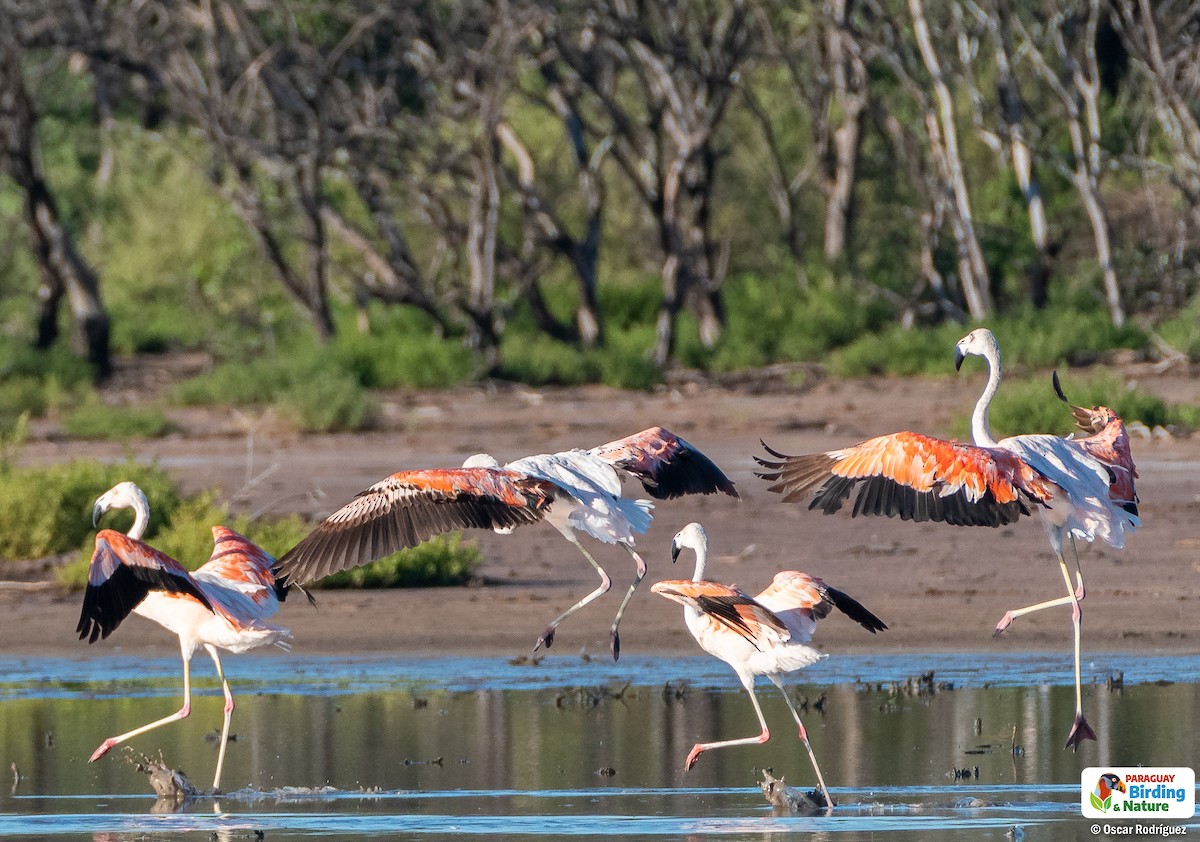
x=574, y=491
x=223, y=604
x=763, y=635
x=990, y=483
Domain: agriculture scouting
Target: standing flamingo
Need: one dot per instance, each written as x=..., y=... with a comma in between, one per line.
x=990, y=483
x=574, y=491
x=763, y=635
x=222, y=604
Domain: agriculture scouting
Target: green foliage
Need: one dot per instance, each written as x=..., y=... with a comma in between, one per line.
x=12, y=439
x=1182, y=331
x=48, y=510
x=308, y=386
x=36, y=382
x=402, y=350
x=443, y=560
x=541, y=361
x=1037, y=339
x=95, y=419
x=330, y=402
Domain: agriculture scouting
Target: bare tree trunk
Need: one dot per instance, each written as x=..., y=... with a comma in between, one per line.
x=1012, y=112
x=1087, y=82
x=583, y=254
x=848, y=74
x=941, y=125
x=1079, y=91
x=63, y=269
x=481, y=244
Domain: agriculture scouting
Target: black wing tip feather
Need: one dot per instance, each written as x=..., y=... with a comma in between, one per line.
x=856, y=611
x=690, y=472
x=1058, y=389
x=105, y=606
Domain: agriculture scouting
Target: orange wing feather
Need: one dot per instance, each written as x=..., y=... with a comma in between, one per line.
x=728, y=606
x=914, y=477
x=409, y=507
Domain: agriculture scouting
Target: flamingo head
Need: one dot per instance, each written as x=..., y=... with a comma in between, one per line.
x=691, y=536
x=980, y=342
x=481, y=460
x=123, y=495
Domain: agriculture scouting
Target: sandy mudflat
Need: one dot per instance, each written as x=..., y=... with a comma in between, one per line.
x=939, y=588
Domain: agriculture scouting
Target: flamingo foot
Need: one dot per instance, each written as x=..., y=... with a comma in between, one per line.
x=692, y=757
x=546, y=639
x=1005, y=622
x=614, y=643
x=103, y=750
x=1080, y=731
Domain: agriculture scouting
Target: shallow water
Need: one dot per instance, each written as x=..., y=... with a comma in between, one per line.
x=344, y=747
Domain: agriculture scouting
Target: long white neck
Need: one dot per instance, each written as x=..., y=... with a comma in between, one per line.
x=141, y=517
x=981, y=430
x=701, y=549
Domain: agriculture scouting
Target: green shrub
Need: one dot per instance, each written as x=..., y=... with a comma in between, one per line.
x=541, y=361
x=443, y=560
x=97, y=420
x=402, y=350
x=308, y=386
x=1036, y=339
x=328, y=403
x=48, y=510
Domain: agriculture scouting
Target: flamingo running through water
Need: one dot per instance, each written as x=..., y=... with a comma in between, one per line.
x=767, y=634
x=989, y=483
x=223, y=604
x=574, y=491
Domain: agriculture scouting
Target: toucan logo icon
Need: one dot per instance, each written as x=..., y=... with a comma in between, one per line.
x=1103, y=792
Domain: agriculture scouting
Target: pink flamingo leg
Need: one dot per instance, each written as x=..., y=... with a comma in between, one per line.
x=804, y=738
x=639, y=574
x=229, y=706
x=166, y=720
x=700, y=748
x=547, y=637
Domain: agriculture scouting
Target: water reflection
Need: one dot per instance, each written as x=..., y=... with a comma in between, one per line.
x=551, y=739
x=499, y=760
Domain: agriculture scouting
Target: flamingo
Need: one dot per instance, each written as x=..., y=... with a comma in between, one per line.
x=224, y=604
x=989, y=483
x=574, y=491
x=767, y=634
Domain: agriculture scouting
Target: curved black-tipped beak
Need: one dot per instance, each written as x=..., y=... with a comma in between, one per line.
x=675, y=550
x=959, y=356
x=97, y=510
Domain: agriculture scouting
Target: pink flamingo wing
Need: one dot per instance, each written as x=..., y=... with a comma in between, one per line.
x=665, y=464
x=914, y=477
x=240, y=574
x=410, y=507
x=122, y=572
x=728, y=606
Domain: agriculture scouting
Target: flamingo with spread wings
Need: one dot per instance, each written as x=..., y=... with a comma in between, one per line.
x=768, y=634
x=223, y=604
x=1070, y=483
x=574, y=491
